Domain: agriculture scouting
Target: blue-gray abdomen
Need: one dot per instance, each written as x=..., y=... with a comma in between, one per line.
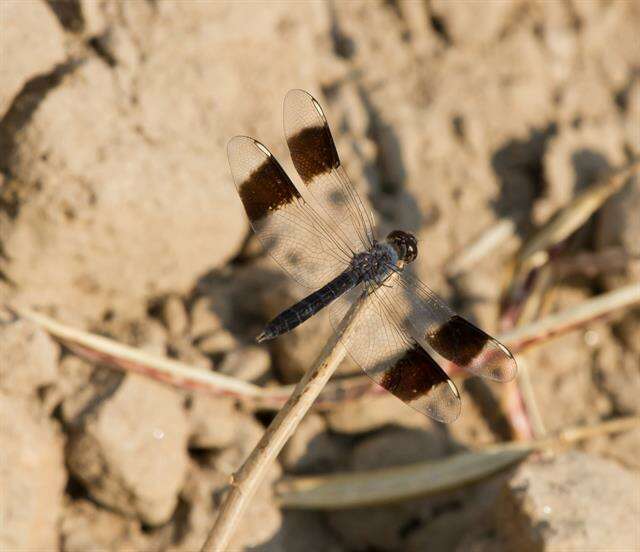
x=310, y=305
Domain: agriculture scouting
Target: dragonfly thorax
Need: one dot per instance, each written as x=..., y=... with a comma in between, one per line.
x=376, y=263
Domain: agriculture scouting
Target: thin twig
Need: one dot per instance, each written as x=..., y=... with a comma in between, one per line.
x=179, y=374
x=571, y=217
x=247, y=478
x=520, y=400
x=554, y=324
x=529, y=400
x=591, y=264
x=130, y=358
x=580, y=433
x=536, y=251
x=521, y=407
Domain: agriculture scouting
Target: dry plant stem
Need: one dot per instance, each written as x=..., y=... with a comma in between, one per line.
x=535, y=251
x=521, y=405
x=592, y=264
x=488, y=241
x=525, y=336
x=527, y=393
x=574, y=434
x=184, y=376
x=246, y=480
x=575, y=214
x=169, y=370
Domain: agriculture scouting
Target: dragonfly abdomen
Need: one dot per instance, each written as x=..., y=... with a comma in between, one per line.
x=294, y=316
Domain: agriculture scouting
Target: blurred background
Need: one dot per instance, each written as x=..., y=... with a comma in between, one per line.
x=472, y=124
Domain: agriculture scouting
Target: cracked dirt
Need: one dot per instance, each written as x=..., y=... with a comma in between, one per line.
x=118, y=215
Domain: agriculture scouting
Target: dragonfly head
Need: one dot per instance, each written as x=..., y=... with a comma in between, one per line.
x=405, y=245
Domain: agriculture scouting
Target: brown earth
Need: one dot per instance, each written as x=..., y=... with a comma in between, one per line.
x=118, y=215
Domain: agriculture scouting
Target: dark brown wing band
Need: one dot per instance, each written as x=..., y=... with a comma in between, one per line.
x=413, y=375
x=458, y=340
x=266, y=189
x=313, y=152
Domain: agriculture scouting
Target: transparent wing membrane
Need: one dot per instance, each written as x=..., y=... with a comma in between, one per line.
x=393, y=359
x=454, y=338
x=317, y=162
x=288, y=227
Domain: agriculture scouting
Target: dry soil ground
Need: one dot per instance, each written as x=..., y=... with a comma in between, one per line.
x=118, y=215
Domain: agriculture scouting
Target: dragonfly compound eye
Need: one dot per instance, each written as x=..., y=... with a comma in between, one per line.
x=405, y=244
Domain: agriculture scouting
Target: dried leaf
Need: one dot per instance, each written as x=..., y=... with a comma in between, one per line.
x=389, y=485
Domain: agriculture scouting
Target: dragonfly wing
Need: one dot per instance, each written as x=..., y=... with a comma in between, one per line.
x=453, y=337
x=316, y=159
x=290, y=229
x=392, y=358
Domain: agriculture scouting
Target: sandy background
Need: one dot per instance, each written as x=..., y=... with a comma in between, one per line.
x=118, y=215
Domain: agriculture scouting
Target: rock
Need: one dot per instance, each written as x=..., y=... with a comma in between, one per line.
x=94, y=17
x=301, y=530
x=28, y=358
x=311, y=449
x=131, y=451
x=384, y=526
x=213, y=421
x=204, y=320
x=203, y=492
x=87, y=527
x=32, y=477
x=185, y=351
x=436, y=173
x=207, y=329
x=248, y=433
x=217, y=343
x=609, y=35
x=246, y=363
x=628, y=331
x=475, y=425
x=487, y=542
x=28, y=21
x=86, y=388
x=632, y=132
x=174, y=315
x=574, y=501
x=107, y=207
x=208, y=481
x=371, y=412
x=444, y=532
x=399, y=446
x=75, y=387
x=625, y=448
x=244, y=297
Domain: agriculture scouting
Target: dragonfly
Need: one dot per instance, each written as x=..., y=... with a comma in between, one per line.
x=323, y=235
